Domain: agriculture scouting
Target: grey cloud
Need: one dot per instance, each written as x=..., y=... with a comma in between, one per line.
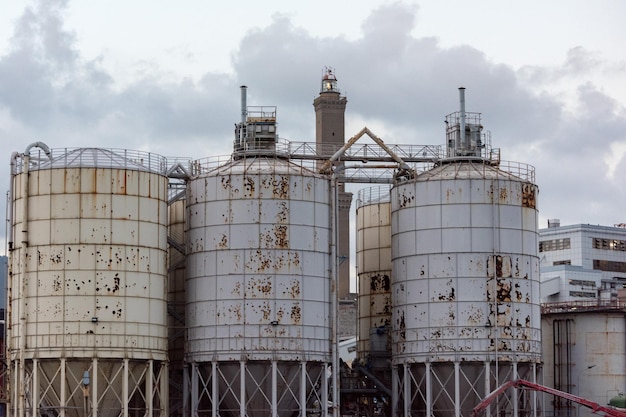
x=403, y=83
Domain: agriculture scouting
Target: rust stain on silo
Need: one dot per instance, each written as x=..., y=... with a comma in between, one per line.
x=283, y=213
x=249, y=185
x=236, y=289
x=380, y=283
x=259, y=286
x=280, y=187
x=401, y=326
x=405, y=200
x=296, y=314
x=280, y=233
x=294, y=289
x=504, y=193
x=528, y=195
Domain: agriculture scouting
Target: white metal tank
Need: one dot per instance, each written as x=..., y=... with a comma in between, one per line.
x=258, y=285
x=466, y=278
x=373, y=256
x=583, y=353
x=465, y=283
x=88, y=285
x=465, y=267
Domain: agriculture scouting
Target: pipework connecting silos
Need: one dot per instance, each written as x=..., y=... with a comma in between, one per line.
x=88, y=331
x=465, y=286
x=258, y=280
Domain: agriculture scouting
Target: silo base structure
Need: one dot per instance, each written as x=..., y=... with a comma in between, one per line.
x=87, y=287
x=258, y=289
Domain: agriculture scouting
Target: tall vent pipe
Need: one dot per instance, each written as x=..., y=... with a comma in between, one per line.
x=463, y=140
x=244, y=104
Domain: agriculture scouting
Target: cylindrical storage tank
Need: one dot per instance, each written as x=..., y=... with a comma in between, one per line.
x=465, y=286
x=373, y=256
x=583, y=354
x=258, y=287
x=88, y=284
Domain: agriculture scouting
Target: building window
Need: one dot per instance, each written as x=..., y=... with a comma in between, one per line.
x=566, y=262
x=611, y=266
x=609, y=244
x=582, y=283
x=554, y=244
x=583, y=294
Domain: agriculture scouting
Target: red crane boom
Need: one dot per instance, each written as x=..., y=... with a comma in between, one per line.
x=523, y=384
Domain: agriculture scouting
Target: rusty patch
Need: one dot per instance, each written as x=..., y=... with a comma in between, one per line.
x=294, y=289
x=249, y=185
x=504, y=194
x=296, y=314
x=401, y=326
x=281, y=187
x=280, y=233
x=261, y=286
x=223, y=243
x=529, y=195
x=405, y=200
x=499, y=266
x=283, y=213
x=380, y=283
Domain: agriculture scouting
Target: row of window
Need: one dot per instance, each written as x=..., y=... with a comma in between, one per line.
x=554, y=244
x=582, y=283
x=609, y=244
x=612, y=266
x=584, y=294
x=597, y=243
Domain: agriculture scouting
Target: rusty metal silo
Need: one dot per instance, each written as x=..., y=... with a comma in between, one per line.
x=258, y=280
x=373, y=255
x=88, y=329
x=465, y=286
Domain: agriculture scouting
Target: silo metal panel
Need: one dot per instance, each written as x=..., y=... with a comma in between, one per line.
x=511, y=216
x=455, y=239
x=455, y=215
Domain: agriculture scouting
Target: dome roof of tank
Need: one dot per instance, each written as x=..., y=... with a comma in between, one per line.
x=465, y=169
x=264, y=165
x=103, y=158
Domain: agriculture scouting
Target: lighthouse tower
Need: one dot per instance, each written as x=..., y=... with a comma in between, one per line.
x=330, y=108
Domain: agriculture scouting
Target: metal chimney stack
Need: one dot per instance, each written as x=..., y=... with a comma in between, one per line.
x=463, y=138
x=244, y=103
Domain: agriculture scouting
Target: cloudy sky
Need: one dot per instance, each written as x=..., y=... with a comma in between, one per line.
x=549, y=78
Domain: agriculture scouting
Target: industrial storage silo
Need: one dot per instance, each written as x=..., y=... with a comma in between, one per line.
x=88, y=282
x=258, y=280
x=465, y=286
x=373, y=255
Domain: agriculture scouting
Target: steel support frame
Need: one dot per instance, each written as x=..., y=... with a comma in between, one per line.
x=454, y=388
x=241, y=388
x=56, y=387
